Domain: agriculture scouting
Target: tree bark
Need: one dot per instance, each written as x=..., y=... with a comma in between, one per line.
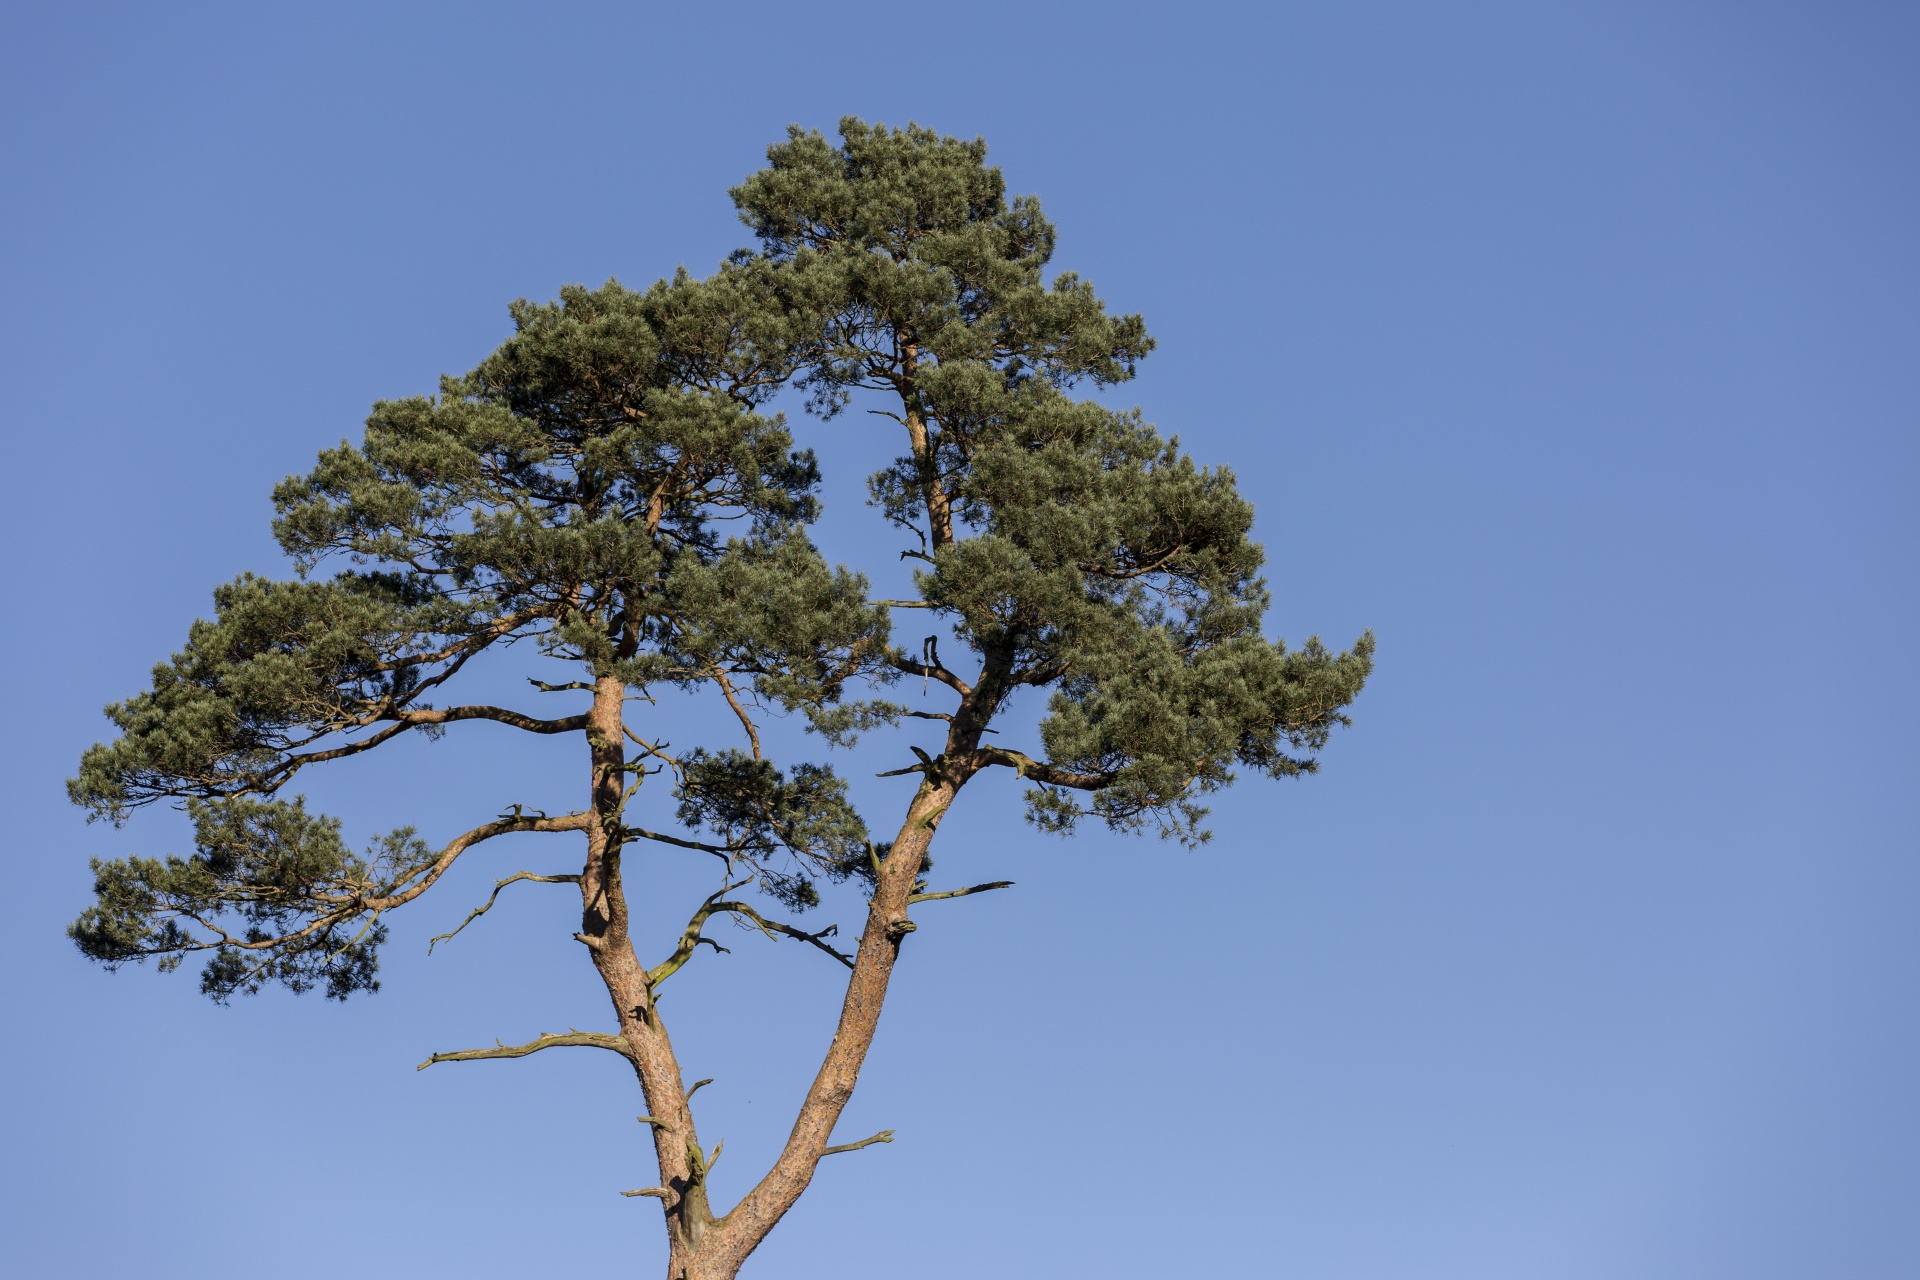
x=735, y=1236
x=934, y=491
x=604, y=931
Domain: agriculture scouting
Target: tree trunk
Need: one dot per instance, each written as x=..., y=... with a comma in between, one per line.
x=676, y=1144
x=734, y=1237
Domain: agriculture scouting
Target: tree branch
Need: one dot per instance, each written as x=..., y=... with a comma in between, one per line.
x=691, y=938
x=726, y=688
x=930, y=766
x=500, y=715
x=373, y=902
x=722, y=852
x=959, y=893
x=901, y=662
x=274, y=778
x=544, y=687
x=579, y=1039
x=658, y=750
x=791, y=931
x=1040, y=771
x=487, y=906
x=885, y=1135
x=498, y=827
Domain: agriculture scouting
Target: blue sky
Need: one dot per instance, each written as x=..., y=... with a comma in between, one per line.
x=1570, y=347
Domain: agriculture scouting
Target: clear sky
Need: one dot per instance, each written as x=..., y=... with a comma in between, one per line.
x=1574, y=348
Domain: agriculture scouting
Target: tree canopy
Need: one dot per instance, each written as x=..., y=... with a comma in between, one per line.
x=609, y=495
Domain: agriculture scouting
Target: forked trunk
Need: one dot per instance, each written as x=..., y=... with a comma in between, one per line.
x=735, y=1236
x=701, y=1245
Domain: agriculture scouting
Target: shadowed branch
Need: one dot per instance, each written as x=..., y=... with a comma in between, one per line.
x=1040, y=771
x=641, y=833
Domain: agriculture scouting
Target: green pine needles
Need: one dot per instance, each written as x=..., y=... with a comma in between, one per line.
x=607, y=495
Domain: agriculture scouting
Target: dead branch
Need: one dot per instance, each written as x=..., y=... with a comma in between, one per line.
x=544, y=687
x=487, y=906
x=929, y=766
x=656, y=749
x=641, y=833
x=959, y=893
x=740, y=712
x=692, y=937
x=771, y=927
x=578, y=1039
x=885, y=1135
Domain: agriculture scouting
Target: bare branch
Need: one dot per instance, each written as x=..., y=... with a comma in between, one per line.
x=930, y=665
x=929, y=765
x=724, y=853
x=690, y=936
x=487, y=906
x=774, y=926
x=959, y=893
x=658, y=750
x=577, y=1039
x=885, y=1135
x=658, y=1192
x=746, y=722
x=901, y=662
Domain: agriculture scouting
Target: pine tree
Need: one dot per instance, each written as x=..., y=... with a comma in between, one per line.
x=569, y=496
